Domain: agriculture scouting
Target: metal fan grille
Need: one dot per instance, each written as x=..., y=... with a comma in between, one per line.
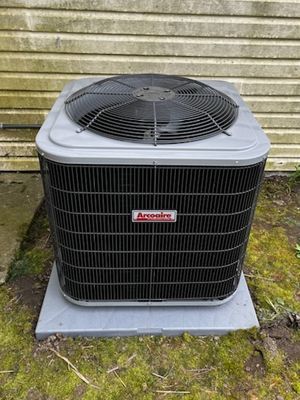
x=150, y=108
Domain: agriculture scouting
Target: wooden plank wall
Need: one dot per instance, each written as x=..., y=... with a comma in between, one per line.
x=252, y=43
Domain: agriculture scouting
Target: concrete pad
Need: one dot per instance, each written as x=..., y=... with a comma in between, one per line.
x=20, y=195
x=60, y=316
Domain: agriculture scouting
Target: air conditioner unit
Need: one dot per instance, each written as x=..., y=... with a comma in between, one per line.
x=151, y=183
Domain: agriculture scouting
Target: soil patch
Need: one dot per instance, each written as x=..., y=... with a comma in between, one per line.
x=255, y=364
x=30, y=290
x=282, y=334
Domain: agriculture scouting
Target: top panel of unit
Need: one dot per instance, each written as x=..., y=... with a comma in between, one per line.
x=156, y=119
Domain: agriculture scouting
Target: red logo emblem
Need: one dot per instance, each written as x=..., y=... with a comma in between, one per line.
x=154, y=215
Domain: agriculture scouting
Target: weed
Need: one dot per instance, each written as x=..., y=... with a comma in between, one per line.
x=294, y=177
x=297, y=248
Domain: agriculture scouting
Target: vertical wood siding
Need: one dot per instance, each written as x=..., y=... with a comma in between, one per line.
x=254, y=44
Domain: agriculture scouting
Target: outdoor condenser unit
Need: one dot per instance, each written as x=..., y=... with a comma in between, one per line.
x=151, y=183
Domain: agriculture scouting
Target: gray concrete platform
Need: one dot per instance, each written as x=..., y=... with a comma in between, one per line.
x=60, y=316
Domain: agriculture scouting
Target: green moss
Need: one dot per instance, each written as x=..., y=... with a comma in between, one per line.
x=31, y=262
x=206, y=367
x=275, y=268
x=296, y=387
x=16, y=341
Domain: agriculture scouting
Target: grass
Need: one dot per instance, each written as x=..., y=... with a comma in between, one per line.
x=254, y=364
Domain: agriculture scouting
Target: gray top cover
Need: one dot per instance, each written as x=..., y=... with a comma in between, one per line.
x=59, y=139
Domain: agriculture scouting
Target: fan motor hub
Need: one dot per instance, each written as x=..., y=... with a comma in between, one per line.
x=153, y=93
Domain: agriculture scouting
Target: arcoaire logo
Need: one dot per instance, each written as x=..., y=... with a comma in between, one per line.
x=154, y=215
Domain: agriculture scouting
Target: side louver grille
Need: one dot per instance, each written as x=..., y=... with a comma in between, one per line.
x=103, y=256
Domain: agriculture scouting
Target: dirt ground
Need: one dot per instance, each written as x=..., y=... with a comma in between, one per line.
x=256, y=364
